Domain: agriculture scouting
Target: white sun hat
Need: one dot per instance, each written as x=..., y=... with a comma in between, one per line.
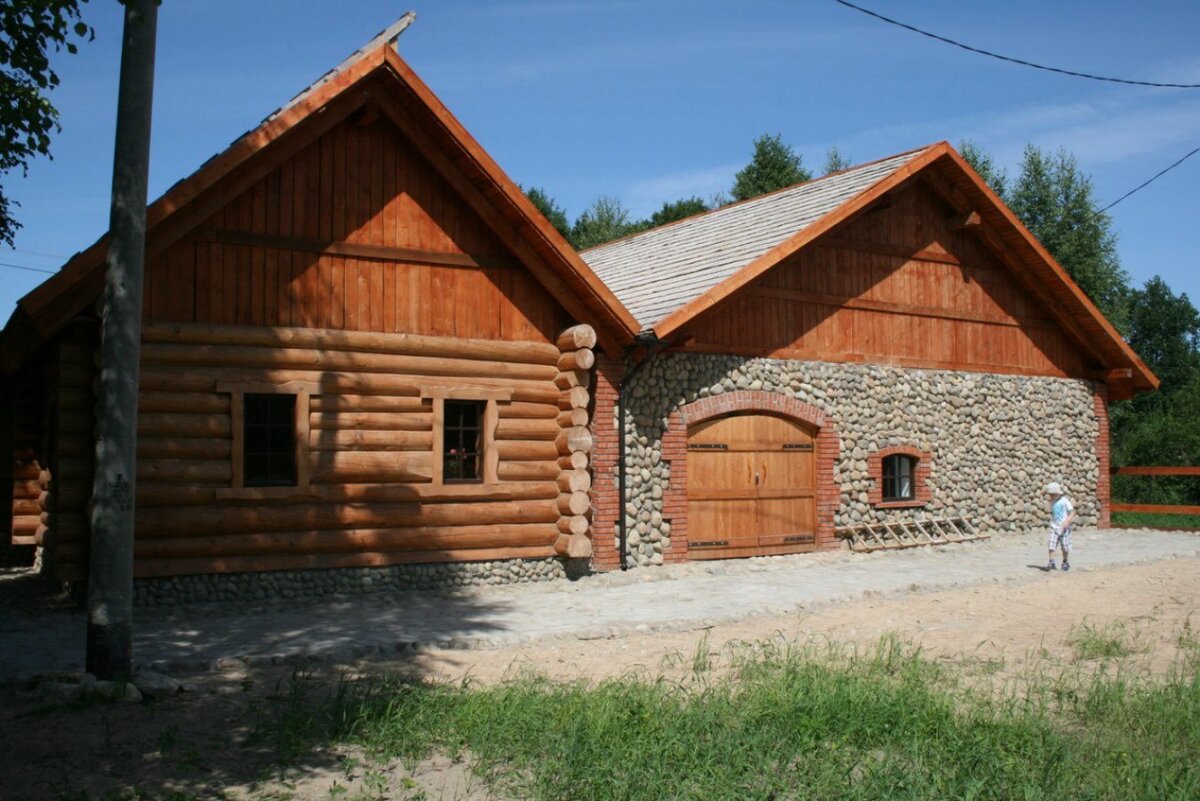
x=1054, y=488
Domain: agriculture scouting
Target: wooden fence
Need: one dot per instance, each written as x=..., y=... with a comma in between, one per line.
x=1155, y=508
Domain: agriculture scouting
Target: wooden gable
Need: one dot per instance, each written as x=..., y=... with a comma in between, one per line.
x=357, y=232
x=374, y=84
x=901, y=284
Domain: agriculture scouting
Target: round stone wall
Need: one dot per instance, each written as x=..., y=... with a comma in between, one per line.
x=995, y=440
x=290, y=584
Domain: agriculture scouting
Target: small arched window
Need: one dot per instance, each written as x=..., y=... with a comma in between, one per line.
x=899, y=474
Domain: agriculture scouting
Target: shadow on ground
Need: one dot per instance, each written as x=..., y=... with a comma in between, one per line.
x=254, y=673
x=241, y=727
x=45, y=633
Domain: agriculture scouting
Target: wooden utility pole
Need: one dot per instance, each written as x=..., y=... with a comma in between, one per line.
x=110, y=573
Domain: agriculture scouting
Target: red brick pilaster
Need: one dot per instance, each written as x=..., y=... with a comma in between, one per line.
x=920, y=477
x=827, y=447
x=674, y=452
x=606, y=505
x=1104, y=480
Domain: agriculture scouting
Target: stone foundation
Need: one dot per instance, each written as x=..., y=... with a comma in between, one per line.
x=994, y=440
x=291, y=584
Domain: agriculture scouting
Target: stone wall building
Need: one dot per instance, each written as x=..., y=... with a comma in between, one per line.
x=885, y=343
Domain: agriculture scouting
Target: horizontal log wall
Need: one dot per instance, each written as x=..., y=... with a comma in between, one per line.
x=28, y=457
x=896, y=286
x=72, y=403
x=371, y=499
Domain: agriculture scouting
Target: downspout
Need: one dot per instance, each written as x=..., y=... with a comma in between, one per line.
x=650, y=341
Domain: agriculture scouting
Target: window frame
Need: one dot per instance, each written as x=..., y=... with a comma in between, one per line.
x=480, y=406
x=490, y=457
x=908, y=470
x=237, y=391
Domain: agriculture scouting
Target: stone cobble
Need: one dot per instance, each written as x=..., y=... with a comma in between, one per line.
x=995, y=440
x=677, y=597
x=291, y=584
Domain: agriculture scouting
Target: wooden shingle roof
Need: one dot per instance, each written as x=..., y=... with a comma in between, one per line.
x=656, y=272
x=668, y=276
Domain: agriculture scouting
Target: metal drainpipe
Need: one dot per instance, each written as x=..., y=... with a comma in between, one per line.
x=653, y=344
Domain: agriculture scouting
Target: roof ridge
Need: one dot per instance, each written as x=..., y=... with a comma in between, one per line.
x=772, y=193
x=386, y=36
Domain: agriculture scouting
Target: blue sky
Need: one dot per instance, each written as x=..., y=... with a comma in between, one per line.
x=651, y=101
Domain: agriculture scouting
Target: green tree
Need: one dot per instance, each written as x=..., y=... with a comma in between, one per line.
x=677, y=210
x=835, y=161
x=774, y=165
x=553, y=212
x=983, y=164
x=29, y=30
x=1054, y=199
x=605, y=220
x=1164, y=329
x=1164, y=435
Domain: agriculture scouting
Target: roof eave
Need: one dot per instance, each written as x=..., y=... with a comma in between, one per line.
x=1107, y=345
x=1144, y=378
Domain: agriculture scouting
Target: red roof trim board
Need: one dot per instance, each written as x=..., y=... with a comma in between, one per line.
x=947, y=173
x=377, y=74
x=47, y=308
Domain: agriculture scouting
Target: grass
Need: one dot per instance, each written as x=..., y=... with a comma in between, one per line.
x=1146, y=520
x=1113, y=641
x=780, y=722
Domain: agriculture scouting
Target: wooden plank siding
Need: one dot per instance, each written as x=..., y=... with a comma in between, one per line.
x=356, y=232
x=895, y=286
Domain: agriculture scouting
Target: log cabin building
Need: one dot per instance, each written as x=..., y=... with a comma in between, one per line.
x=362, y=347
x=366, y=354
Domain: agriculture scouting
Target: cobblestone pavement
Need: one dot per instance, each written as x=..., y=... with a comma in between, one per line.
x=676, y=597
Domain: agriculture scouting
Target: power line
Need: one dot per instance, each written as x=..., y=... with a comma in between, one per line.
x=25, y=267
x=1012, y=60
x=1144, y=184
x=39, y=253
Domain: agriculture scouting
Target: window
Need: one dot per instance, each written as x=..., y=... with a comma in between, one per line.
x=899, y=478
x=464, y=433
x=268, y=453
x=462, y=440
x=269, y=440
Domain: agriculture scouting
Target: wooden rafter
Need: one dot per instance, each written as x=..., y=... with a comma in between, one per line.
x=968, y=219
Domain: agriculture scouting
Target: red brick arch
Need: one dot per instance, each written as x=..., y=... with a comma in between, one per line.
x=674, y=450
x=920, y=477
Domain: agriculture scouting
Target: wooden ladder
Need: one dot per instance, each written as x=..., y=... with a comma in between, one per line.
x=891, y=535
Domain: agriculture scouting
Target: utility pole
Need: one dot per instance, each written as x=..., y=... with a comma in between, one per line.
x=110, y=572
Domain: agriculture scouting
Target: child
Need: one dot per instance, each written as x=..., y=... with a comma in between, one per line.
x=1062, y=514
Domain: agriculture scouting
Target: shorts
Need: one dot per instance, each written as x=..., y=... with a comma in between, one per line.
x=1058, y=538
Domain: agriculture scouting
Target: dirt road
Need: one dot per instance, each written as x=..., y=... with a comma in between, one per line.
x=196, y=743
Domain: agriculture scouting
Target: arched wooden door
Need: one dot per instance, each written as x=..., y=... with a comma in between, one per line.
x=751, y=487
